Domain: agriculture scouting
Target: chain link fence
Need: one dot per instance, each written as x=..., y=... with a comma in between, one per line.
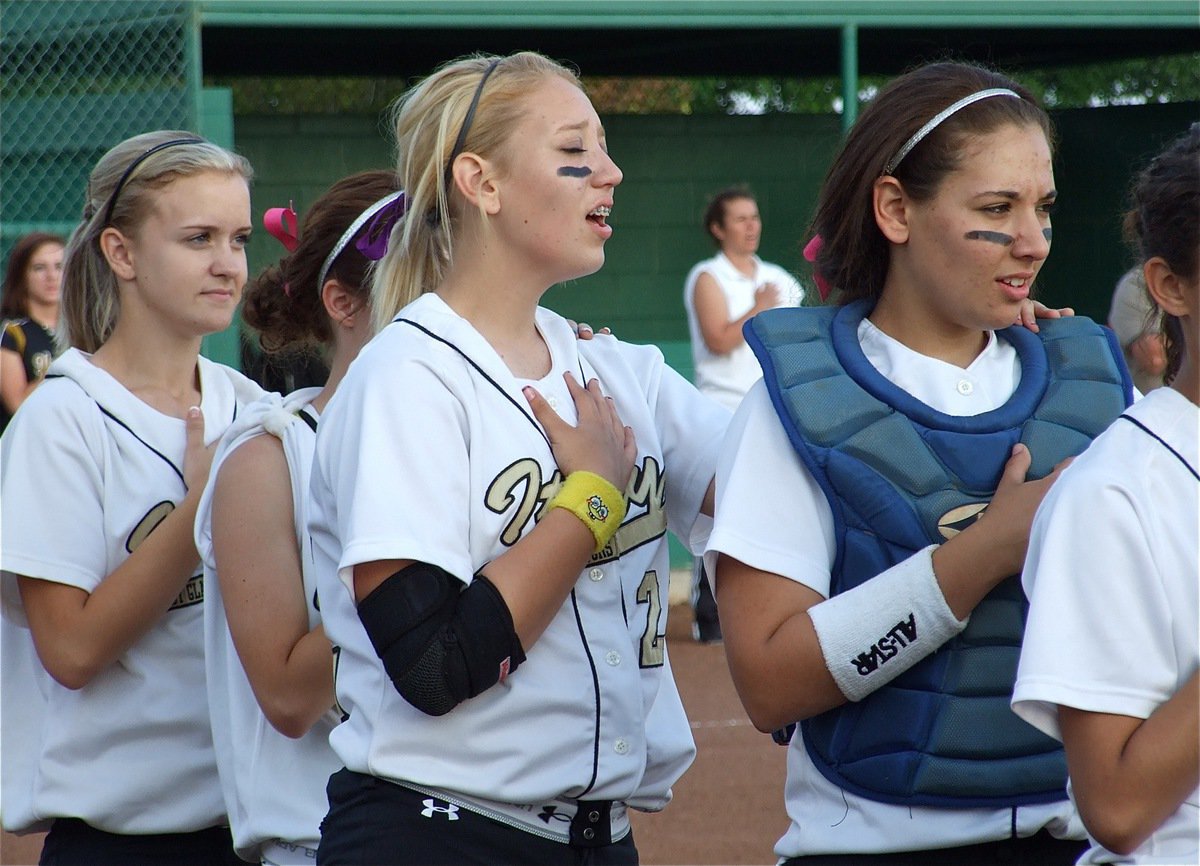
x=75, y=79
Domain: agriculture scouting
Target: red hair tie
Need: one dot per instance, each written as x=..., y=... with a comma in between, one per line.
x=275, y=221
x=811, y=250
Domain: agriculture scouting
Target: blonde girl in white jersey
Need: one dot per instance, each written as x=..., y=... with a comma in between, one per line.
x=490, y=504
x=269, y=663
x=106, y=735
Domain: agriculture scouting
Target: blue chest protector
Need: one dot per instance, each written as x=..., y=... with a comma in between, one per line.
x=900, y=476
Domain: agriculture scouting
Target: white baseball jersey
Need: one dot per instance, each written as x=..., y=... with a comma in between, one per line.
x=726, y=378
x=772, y=516
x=429, y=452
x=1111, y=576
x=88, y=471
x=274, y=786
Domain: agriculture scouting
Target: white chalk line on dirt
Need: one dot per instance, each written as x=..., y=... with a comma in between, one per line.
x=719, y=723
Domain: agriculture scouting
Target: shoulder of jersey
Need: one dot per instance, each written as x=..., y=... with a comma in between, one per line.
x=14, y=330
x=609, y=351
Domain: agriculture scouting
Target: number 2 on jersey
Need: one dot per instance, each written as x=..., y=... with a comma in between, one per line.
x=653, y=643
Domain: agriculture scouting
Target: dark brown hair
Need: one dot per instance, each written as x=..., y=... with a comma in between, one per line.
x=14, y=303
x=855, y=255
x=1164, y=221
x=283, y=304
x=714, y=214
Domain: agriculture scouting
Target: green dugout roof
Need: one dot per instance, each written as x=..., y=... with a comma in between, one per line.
x=686, y=37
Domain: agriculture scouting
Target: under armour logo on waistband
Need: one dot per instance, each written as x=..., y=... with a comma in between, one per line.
x=449, y=810
x=551, y=813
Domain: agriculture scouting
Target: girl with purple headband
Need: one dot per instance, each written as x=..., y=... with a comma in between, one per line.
x=270, y=665
x=871, y=611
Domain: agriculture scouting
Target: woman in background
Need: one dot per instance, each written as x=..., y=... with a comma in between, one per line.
x=29, y=306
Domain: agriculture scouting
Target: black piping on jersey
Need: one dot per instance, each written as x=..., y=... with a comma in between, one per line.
x=596, y=688
x=310, y=421
x=1161, y=441
x=574, y=600
x=164, y=457
x=303, y=414
x=483, y=373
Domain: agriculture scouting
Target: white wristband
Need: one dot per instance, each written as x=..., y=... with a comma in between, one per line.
x=871, y=634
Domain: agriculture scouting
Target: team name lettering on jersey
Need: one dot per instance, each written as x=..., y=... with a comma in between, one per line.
x=148, y=524
x=525, y=474
x=192, y=593
x=647, y=488
x=520, y=483
x=193, y=590
x=901, y=635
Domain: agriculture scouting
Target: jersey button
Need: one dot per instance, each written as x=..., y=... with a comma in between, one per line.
x=613, y=658
x=596, y=574
x=965, y=387
x=589, y=833
x=620, y=747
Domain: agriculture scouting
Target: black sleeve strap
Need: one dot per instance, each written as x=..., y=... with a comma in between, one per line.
x=440, y=644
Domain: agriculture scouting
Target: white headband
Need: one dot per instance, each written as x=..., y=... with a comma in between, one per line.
x=349, y=233
x=938, y=118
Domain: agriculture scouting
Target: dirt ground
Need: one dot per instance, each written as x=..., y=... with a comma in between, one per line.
x=728, y=808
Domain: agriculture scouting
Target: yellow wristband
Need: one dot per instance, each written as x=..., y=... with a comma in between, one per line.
x=593, y=500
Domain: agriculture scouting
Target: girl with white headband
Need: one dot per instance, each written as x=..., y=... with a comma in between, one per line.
x=270, y=665
x=862, y=595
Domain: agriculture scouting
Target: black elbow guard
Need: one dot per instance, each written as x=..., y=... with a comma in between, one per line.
x=440, y=645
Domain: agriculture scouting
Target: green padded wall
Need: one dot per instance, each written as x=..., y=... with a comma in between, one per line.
x=673, y=163
x=1099, y=152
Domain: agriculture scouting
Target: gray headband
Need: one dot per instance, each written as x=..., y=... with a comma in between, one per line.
x=893, y=163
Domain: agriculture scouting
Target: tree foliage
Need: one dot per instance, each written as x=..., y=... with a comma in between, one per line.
x=1173, y=78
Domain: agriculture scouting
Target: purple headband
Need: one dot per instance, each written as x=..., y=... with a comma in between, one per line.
x=383, y=216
